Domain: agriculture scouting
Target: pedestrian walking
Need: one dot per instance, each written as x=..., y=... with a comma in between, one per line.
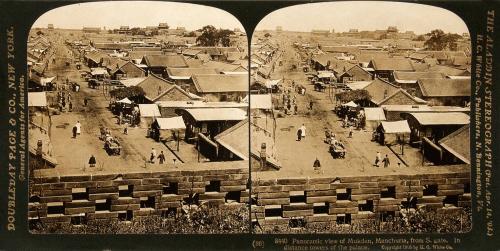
x=92, y=161
x=303, y=129
x=295, y=108
x=311, y=103
x=74, y=132
x=78, y=127
x=386, y=161
x=317, y=164
x=125, y=129
x=377, y=159
x=161, y=158
x=85, y=101
x=70, y=105
x=350, y=131
x=153, y=156
x=299, y=135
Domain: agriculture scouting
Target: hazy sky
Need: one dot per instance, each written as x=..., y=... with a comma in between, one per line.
x=137, y=14
x=342, y=16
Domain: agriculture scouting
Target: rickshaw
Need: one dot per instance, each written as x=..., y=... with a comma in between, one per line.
x=337, y=151
x=112, y=146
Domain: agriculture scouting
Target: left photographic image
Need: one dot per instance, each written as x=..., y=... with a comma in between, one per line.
x=138, y=120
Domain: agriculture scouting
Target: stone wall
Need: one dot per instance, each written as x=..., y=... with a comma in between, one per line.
x=76, y=198
x=350, y=199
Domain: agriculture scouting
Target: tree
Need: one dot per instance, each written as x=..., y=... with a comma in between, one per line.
x=419, y=38
x=191, y=34
x=439, y=40
x=452, y=41
x=127, y=92
x=208, y=36
x=223, y=37
x=355, y=95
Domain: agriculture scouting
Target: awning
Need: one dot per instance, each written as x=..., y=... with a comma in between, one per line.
x=37, y=99
x=98, y=71
x=171, y=123
x=433, y=145
x=272, y=83
x=325, y=74
x=44, y=81
x=131, y=81
x=260, y=101
x=217, y=114
x=396, y=126
x=376, y=113
x=149, y=110
x=351, y=104
x=442, y=118
x=125, y=101
x=209, y=141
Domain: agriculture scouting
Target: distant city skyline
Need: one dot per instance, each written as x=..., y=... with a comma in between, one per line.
x=112, y=15
x=363, y=16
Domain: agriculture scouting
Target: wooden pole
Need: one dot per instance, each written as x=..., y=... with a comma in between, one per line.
x=178, y=135
x=198, y=145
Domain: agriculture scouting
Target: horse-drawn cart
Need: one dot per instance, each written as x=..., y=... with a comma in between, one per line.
x=320, y=86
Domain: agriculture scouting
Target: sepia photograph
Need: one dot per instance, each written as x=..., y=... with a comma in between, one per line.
x=138, y=120
x=360, y=120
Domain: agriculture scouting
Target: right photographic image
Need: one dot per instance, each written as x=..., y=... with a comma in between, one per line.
x=360, y=116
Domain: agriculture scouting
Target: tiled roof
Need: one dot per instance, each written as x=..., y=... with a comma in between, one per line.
x=164, y=61
x=380, y=90
x=441, y=118
x=433, y=87
x=414, y=76
x=154, y=86
x=212, y=83
x=186, y=73
x=458, y=143
x=392, y=64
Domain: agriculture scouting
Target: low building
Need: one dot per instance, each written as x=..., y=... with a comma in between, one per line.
x=220, y=87
x=434, y=126
x=385, y=68
x=154, y=87
x=394, y=112
x=171, y=108
x=157, y=64
x=124, y=30
x=182, y=76
x=210, y=121
x=448, y=92
x=408, y=80
x=401, y=97
x=354, y=74
x=379, y=90
x=126, y=69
